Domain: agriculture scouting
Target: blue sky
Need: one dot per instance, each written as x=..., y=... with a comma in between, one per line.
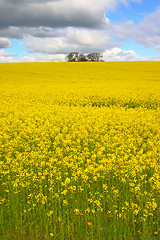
x=48, y=30
x=17, y=49
x=141, y=50
x=135, y=12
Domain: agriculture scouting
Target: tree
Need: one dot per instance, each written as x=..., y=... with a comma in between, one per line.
x=81, y=57
x=72, y=57
x=94, y=57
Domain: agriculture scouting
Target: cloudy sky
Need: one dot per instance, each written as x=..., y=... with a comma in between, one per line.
x=47, y=30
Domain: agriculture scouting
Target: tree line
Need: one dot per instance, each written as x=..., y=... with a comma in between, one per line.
x=81, y=57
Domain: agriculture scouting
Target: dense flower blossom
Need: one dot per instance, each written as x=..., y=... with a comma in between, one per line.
x=80, y=150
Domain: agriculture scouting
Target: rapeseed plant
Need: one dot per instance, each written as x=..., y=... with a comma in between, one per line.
x=80, y=151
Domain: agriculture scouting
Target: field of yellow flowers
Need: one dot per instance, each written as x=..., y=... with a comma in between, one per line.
x=80, y=151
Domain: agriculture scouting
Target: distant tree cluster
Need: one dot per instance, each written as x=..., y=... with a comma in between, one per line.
x=81, y=57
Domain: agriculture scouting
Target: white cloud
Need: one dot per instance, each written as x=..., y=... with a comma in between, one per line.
x=52, y=13
x=25, y=59
x=147, y=32
x=158, y=48
x=114, y=54
x=5, y=57
x=56, y=13
x=117, y=54
x=4, y=43
x=38, y=57
x=52, y=28
x=71, y=39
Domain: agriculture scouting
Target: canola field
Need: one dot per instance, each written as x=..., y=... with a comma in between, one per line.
x=80, y=151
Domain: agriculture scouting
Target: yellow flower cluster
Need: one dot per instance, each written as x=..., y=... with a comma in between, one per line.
x=80, y=149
